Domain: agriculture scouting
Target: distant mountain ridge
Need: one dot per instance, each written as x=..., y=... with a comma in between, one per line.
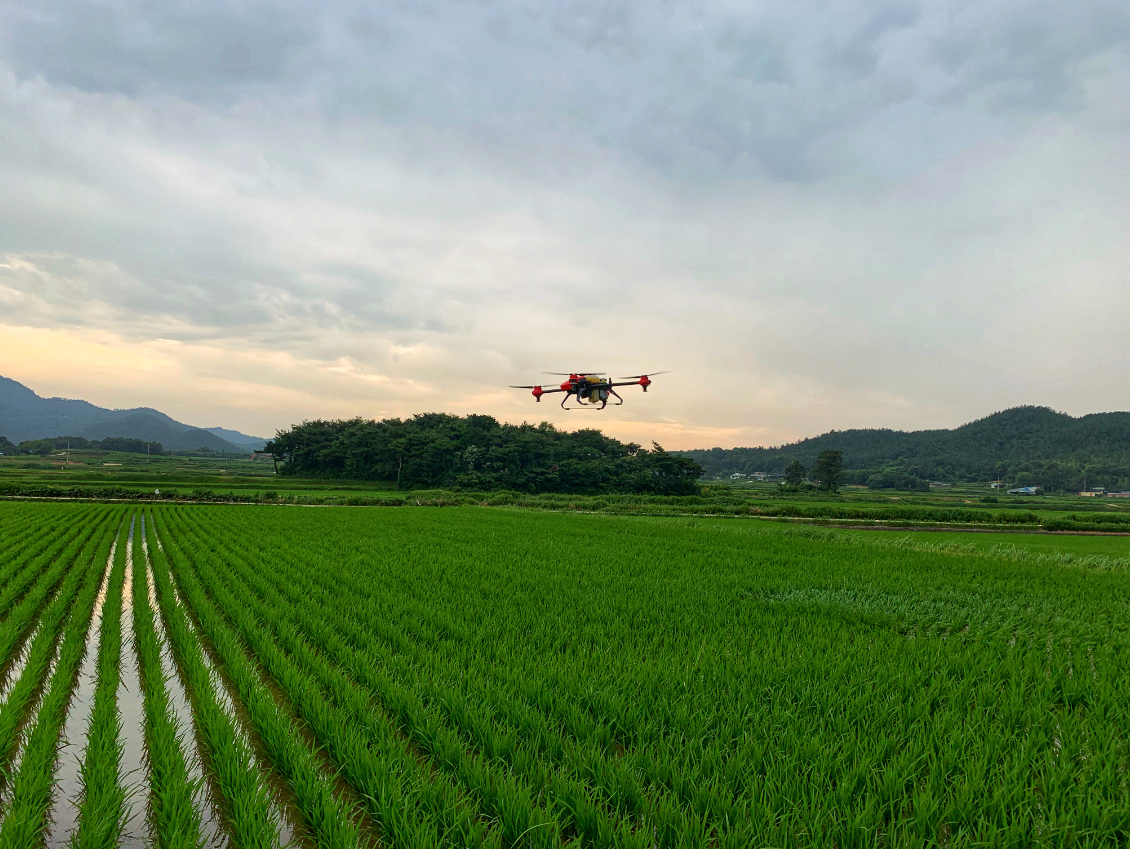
x=25, y=415
x=1054, y=449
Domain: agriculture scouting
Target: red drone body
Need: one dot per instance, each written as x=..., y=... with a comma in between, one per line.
x=590, y=388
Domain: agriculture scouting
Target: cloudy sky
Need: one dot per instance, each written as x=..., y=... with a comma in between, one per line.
x=821, y=214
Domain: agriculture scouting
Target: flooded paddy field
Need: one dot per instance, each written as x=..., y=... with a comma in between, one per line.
x=192, y=675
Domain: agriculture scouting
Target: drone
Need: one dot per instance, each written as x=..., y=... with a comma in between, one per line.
x=590, y=388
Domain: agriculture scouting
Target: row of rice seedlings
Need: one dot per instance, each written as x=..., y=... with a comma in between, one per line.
x=26, y=689
x=788, y=677
x=31, y=522
x=506, y=799
x=247, y=802
x=571, y=792
x=16, y=665
x=102, y=814
x=173, y=811
x=495, y=786
x=595, y=806
x=29, y=566
x=21, y=609
x=68, y=786
x=593, y=814
x=283, y=808
x=411, y=809
x=210, y=803
x=15, y=522
x=25, y=820
x=326, y=818
x=21, y=546
x=132, y=714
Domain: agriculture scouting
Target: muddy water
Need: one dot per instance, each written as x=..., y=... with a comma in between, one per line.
x=283, y=809
x=211, y=823
x=68, y=790
x=131, y=708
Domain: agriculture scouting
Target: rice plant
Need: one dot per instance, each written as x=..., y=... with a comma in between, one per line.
x=477, y=677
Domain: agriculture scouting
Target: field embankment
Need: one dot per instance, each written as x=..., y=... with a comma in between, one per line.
x=1027, y=515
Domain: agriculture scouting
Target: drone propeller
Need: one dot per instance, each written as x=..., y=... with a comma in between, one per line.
x=522, y=387
x=570, y=374
x=637, y=376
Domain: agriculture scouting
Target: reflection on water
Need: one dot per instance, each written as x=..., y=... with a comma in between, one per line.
x=68, y=789
x=131, y=708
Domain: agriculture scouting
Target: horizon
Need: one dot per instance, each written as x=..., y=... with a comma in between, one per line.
x=590, y=424
x=818, y=216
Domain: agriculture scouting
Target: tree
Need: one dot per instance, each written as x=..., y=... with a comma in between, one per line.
x=829, y=470
x=796, y=473
x=670, y=475
x=477, y=453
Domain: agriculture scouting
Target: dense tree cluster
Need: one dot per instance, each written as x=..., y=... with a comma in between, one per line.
x=436, y=450
x=1025, y=446
x=44, y=447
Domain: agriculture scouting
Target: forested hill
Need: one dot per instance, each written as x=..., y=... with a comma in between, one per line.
x=25, y=416
x=1023, y=445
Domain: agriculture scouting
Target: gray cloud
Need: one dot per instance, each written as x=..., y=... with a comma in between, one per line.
x=835, y=213
x=688, y=87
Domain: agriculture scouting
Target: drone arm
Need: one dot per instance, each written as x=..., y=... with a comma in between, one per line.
x=538, y=391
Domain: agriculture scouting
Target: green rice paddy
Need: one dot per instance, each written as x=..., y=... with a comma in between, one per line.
x=259, y=676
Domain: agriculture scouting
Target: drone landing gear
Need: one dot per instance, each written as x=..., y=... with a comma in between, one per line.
x=592, y=406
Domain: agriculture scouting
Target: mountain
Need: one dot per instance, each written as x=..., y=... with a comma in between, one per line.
x=25, y=415
x=248, y=443
x=1052, y=449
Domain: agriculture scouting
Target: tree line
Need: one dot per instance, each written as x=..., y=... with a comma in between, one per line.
x=477, y=453
x=43, y=447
